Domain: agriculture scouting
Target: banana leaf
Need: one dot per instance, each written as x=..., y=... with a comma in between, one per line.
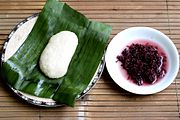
x=22, y=70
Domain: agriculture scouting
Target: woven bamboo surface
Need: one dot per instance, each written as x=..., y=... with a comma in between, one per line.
x=106, y=100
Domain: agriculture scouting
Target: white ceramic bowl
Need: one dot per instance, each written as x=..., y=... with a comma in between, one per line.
x=127, y=37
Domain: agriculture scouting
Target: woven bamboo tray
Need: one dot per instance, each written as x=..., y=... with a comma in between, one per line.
x=106, y=100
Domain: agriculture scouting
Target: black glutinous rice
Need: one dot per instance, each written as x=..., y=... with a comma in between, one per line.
x=143, y=63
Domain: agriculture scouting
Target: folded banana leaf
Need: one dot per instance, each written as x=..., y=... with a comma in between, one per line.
x=22, y=70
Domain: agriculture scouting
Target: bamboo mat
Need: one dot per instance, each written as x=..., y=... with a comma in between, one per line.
x=106, y=100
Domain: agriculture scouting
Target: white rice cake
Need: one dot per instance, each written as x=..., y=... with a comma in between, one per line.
x=57, y=55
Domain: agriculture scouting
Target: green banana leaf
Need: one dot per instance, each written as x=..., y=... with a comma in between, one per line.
x=22, y=70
